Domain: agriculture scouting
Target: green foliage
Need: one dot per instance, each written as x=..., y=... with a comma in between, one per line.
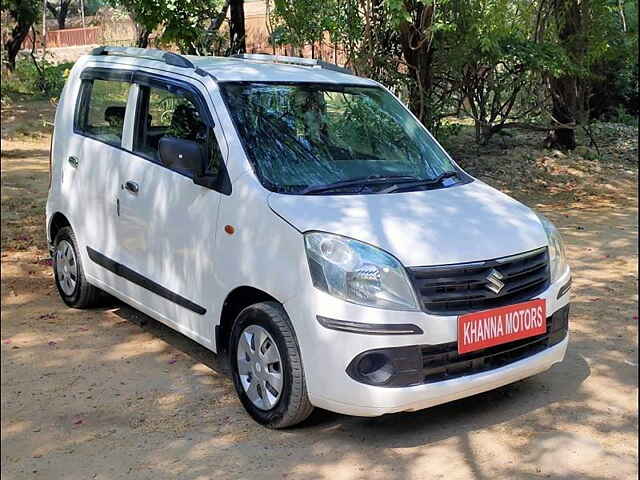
x=186, y=23
x=306, y=20
x=613, y=85
x=25, y=11
x=490, y=59
x=147, y=13
x=497, y=62
x=26, y=80
x=23, y=14
x=362, y=31
x=91, y=7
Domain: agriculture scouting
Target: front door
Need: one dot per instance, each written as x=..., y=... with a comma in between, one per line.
x=168, y=224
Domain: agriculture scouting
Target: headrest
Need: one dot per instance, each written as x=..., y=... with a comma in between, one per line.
x=114, y=112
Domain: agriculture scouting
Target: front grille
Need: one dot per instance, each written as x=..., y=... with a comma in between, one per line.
x=443, y=362
x=464, y=287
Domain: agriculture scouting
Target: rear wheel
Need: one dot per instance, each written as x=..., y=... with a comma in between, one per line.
x=267, y=367
x=72, y=285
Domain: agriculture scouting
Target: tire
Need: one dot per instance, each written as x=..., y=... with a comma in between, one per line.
x=76, y=293
x=250, y=347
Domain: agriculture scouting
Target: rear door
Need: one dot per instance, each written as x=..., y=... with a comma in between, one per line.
x=92, y=162
x=168, y=224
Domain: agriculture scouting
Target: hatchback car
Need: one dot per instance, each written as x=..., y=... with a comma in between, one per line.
x=300, y=222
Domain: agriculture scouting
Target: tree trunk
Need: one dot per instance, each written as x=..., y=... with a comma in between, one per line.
x=565, y=93
x=418, y=54
x=421, y=74
x=62, y=14
x=237, y=39
x=14, y=43
x=142, y=36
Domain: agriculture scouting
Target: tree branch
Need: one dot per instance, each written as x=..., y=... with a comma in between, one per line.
x=53, y=9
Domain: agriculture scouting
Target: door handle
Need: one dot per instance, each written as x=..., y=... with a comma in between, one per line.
x=132, y=187
x=73, y=161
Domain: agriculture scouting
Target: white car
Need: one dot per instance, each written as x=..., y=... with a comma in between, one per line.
x=299, y=220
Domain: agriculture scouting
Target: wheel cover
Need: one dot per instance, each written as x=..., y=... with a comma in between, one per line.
x=260, y=367
x=66, y=267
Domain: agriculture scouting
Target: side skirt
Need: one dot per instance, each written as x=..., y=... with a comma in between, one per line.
x=134, y=277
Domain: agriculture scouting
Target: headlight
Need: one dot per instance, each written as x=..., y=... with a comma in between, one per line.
x=557, y=255
x=358, y=273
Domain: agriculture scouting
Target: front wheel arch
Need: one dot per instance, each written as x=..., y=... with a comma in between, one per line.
x=237, y=300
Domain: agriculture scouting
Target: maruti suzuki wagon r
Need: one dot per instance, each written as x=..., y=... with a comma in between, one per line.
x=300, y=222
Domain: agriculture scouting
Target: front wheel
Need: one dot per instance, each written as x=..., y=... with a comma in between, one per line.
x=267, y=367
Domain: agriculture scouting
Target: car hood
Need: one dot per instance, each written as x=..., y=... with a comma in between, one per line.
x=464, y=223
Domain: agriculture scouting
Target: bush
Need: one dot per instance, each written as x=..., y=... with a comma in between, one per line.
x=621, y=115
x=28, y=80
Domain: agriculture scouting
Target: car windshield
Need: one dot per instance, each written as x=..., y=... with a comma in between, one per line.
x=307, y=137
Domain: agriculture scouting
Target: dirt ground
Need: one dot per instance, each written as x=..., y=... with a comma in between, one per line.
x=110, y=393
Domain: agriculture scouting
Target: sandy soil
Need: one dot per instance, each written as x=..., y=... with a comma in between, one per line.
x=110, y=393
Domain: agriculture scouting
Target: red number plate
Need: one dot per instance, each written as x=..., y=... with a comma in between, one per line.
x=501, y=325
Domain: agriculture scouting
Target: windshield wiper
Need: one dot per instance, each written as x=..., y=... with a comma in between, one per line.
x=360, y=182
x=421, y=183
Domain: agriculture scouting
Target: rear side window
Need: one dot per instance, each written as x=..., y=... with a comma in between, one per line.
x=175, y=113
x=102, y=108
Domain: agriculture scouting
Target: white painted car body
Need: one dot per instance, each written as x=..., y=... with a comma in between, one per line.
x=172, y=232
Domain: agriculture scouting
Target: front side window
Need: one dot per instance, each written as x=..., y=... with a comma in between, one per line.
x=174, y=114
x=303, y=136
x=102, y=110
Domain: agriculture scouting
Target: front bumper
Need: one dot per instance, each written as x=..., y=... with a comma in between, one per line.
x=327, y=353
x=408, y=399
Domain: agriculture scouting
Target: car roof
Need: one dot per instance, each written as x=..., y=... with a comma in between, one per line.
x=239, y=68
x=227, y=69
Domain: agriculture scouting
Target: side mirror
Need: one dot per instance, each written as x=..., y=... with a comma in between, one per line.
x=182, y=155
x=188, y=157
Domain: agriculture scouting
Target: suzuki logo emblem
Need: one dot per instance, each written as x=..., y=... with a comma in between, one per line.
x=495, y=283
